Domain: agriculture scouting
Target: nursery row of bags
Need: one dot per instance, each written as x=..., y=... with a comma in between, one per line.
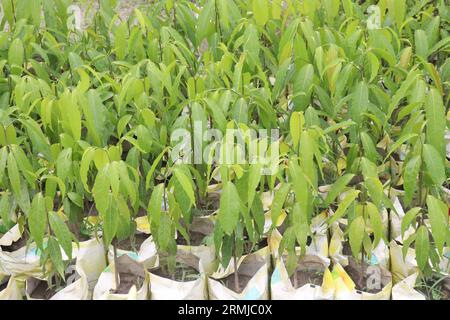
x=326, y=271
x=358, y=92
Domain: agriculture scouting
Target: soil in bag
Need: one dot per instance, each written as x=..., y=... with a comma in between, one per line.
x=130, y=273
x=181, y=273
x=198, y=230
x=45, y=290
x=22, y=242
x=435, y=287
x=309, y=270
x=185, y=269
x=4, y=284
x=369, y=278
x=246, y=271
x=132, y=243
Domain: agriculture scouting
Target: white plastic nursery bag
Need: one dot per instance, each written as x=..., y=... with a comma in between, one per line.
x=164, y=288
x=254, y=265
x=281, y=286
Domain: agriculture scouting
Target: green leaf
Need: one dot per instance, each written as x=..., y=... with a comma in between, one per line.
x=13, y=174
x=5, y=208
x=296, y=124
x=410, y=176
x=37, y=219
x=438, y=211
x=409, y=218
x=229, y=208
x=356, y=235
x=376, y=223
x=7, y=6
x=420, y=38
x=55, y=255
x=261, y=11
x=343, y=206
x=371, y=181
x=359, y=103
x=302, y=87
x=154, y=206
x=307, y=145
x=3, y=161
x=186, y=184
x=205, y=26
x=253, y=182
x=370, y=150
x=422, y=246
x=110, y=218
x=120, y=40
x=399, y=142
x=337, y=187
x=16, y=56
x=101, y=190
x=434, y=164
x=300, y=225
x=278, y=201
x=61, y=232
x=153, y=168
x=300, y=185
x=87, y=158
x=165, y=232
x=436, y=122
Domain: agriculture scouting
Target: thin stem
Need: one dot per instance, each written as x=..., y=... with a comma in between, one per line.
x=236, y=271
x=116, y=266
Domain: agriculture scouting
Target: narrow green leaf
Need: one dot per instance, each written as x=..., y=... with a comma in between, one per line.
x=438, y=213
x=356, y=235
x=61, y=232
x=422, y=246
x=434, y=164
x=37, y=219
x=229, y=208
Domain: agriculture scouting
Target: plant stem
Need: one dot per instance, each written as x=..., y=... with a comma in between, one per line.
x=116, y=266
x=295, y=279
x=236, y=271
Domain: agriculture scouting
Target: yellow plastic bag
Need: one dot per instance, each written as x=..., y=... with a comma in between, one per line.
x=345, y=288
x=255, y=266
x=281, y=287
x=402, y=268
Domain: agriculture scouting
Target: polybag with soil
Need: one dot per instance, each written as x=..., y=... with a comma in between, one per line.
x=81, y=277
x=201, y=227
x=187, y=282
x=319, y=240
x=253, y=271
x=23, y=261
x=405, y=273
x=133, y=279
x=311, y=280
x=340, y=252
x=373, y=282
